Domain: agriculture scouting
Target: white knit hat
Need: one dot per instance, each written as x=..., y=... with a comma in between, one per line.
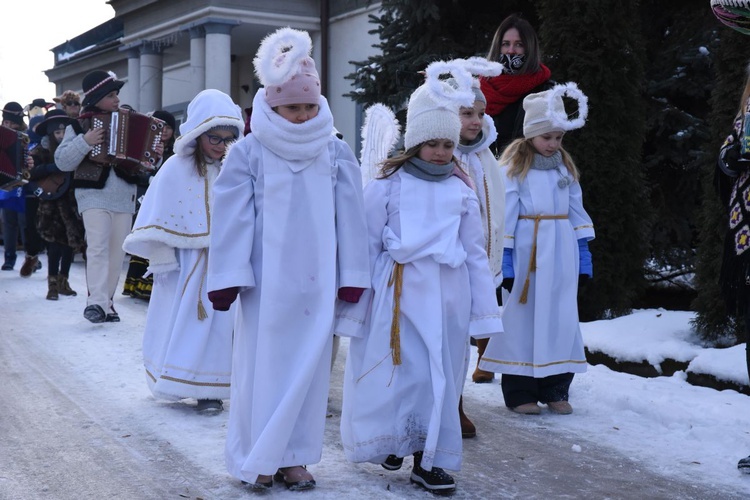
x=545, y=111
x=433, y=107
x=211, y=108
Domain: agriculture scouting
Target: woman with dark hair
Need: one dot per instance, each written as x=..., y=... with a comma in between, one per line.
x=516, y=46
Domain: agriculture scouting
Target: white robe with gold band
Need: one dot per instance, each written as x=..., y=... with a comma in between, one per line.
x=434, y=230
x=543, y=336
x=186, y=355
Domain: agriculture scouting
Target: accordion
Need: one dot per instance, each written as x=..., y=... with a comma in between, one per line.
x=13, y=146
x=130, y=140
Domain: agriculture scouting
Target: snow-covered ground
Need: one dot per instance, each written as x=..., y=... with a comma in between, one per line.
x=692, y=435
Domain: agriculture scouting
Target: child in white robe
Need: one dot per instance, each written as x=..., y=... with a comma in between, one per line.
x=431, y=289
x=187, y=347
x=546, y=247
x=290, y=231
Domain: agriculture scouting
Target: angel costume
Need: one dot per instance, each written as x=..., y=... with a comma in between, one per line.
x=543, y=336
x=425, y=240
x=289, y=230
x=187, y=346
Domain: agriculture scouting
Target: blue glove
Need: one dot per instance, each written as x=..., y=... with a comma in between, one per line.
x=584, y=257
x=508, y=263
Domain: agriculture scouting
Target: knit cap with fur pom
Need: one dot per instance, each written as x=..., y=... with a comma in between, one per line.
x=286, y=70
x=545, y=111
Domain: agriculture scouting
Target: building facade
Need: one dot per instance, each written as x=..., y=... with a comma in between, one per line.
x=169, y=50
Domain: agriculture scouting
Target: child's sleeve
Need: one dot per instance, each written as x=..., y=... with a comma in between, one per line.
x=72, y=150
x=351, y=226
x=232, y=222
x=485, y=313
x=579, y=218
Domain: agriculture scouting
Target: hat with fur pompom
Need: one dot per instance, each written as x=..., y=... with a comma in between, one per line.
x=286, y=70
x=211, y=108
x=433, y=108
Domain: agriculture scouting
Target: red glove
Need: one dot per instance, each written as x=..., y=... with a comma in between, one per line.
x=222, y=299
x=350, y=294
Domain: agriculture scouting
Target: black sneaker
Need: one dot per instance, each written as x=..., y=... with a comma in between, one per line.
x=435, y=480
x=112, y=318
x=392, y=462
x=95, y=314
x=210, y=405
x=744, y=465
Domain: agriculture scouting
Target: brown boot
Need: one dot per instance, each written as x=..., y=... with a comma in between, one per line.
x=468, y=430
x=51, y=287
x=63, y=287
x=29, y=265
x=481, y=376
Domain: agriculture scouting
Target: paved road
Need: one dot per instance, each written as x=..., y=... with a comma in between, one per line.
x=62, y=439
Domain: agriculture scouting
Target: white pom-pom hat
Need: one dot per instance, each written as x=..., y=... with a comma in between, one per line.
x=545, y=111
x=433, y=107
x=286, y=70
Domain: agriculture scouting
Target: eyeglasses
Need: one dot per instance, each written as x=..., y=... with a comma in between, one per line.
x=216, y=140
x=72, y=103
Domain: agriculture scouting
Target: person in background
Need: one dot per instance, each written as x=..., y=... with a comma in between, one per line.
x=138, y=283
x=546, y=238
x=106, y=197
x=288, y=236
x=57, y=221
x=187, y=349
x=12, y=202
x=70, y=102
x=515, y=45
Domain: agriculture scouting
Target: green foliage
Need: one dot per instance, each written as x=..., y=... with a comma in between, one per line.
x=598, y=44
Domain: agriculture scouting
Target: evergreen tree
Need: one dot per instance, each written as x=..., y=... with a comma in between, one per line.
x=713, y=322
x=679, y=78
x=599, y=46
x=414, y=33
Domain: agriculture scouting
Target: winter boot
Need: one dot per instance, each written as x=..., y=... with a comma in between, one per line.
x=29, y=265
x=468, y=430
x=481, y=376
x=63, y=287
x=51, y=287
x=744, y=465
x=435, y=480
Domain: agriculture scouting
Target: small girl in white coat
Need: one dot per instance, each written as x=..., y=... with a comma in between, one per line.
x=187, y=347
x=546, y=248
x=290, y=232
x=431, y=289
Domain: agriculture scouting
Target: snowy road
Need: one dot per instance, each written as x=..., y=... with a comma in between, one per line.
x=78, y=422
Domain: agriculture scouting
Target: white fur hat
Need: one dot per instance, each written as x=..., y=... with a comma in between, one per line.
x=433, y=107
x=545, y=111
x=211, y=108
x=286, y=70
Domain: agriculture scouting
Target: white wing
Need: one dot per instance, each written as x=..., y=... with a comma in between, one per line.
x=380, y=133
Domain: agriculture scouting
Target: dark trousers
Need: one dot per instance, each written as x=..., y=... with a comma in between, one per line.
x=747, y=335
x=59, y=258
x=33, y=243
x=519, y=389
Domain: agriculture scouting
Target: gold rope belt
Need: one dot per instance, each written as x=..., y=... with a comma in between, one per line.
x=397, y=281
x=202, y=256
x=532, y=260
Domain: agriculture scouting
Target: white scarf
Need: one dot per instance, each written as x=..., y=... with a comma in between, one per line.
x=291, y=141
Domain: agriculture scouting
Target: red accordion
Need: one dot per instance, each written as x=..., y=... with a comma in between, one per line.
x=12, y=158
x=130, y=140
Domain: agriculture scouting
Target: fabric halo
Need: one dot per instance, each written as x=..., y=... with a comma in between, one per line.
x=209, y=109
x=545, y=111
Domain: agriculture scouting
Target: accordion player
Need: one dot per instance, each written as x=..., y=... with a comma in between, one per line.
x=13, y=146
x=130, y=141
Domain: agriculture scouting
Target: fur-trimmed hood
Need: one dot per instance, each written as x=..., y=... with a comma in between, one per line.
x=209, y=109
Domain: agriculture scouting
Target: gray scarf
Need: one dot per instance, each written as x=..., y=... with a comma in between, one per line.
x=428, y=171
x=472, y=146
x=542, y=162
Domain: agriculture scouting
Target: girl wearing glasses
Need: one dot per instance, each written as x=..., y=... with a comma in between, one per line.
x=288, y=236
x=187, y=346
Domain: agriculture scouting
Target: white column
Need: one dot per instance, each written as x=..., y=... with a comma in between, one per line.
x=198, y=58
x=133, y=88
x=151, y=78
x=218, y=56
